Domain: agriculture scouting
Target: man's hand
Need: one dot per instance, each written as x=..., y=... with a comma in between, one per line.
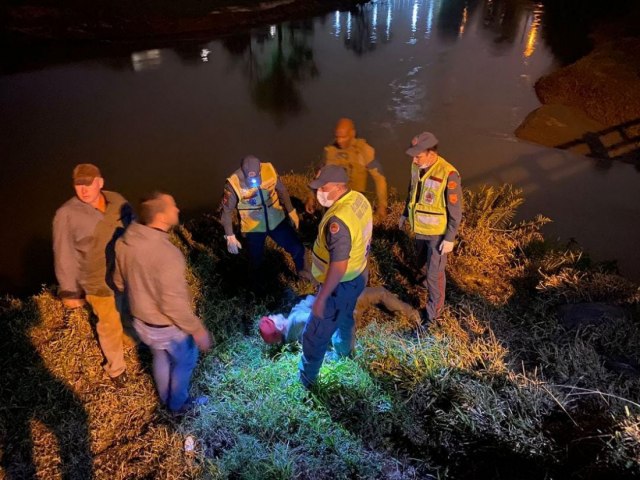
x=381, y=212
x=72, y=303
x=445, y=247
x=233, y=244
x=318, y=306
x=203, y=340
x=310, y=205
x=401, y=222
x=293, y=215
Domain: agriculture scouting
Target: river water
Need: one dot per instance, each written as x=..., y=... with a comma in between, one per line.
x=181, y=118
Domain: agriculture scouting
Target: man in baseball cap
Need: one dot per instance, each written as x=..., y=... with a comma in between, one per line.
x=434, y=211
x=261, y=199
x=340, y=255
x=85, y=229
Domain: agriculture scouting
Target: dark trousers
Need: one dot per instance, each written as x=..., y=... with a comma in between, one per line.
x=337, y=322
x=429, y=259
x=284, y=235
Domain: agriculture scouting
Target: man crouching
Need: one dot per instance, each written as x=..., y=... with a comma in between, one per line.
x=152, y=270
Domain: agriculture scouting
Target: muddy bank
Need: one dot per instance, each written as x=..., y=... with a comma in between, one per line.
x=592, y=106
x=123, y=21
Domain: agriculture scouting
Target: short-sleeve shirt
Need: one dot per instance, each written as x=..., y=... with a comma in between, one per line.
x=338, y=239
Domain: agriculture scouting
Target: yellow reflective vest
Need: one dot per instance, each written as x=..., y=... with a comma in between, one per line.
x=259, y=208
x=354, y=210
x=428, y=213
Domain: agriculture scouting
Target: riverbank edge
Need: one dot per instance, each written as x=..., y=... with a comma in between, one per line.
x=32, y=22
x=592, y=107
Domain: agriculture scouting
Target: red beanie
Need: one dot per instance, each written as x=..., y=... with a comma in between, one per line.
x=268, y=331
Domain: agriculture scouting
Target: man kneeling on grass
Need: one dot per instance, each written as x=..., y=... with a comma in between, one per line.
x=152, y=270
x=277, y=328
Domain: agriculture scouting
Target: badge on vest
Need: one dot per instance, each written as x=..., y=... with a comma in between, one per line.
x=428, y=197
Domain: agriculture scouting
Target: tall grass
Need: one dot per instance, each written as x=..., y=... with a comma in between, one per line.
x=497, y=387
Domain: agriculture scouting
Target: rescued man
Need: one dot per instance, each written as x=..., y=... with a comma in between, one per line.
x=261, y=199
x=152, y=272
x=357, y=157
x=276, y=329
x=85, y=229
x=434, y=210
x=339, y=265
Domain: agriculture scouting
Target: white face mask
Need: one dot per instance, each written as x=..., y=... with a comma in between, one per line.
x=323, y=199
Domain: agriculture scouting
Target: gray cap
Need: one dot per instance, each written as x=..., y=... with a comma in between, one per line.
x=422, y=142
x=250, y=166
x=328, y=174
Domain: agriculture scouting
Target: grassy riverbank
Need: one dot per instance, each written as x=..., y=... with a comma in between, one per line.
x=503, y=386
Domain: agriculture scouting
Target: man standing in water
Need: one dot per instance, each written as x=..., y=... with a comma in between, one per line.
x=152, y=270
x=434, y=210
x=85, y=230
x=340, y=256
x=357, y=157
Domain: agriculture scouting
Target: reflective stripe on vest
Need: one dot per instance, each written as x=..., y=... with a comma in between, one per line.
x=428, y=214
x=259, y=208
x=354, y=210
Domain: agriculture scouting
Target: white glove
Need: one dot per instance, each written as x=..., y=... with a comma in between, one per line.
x=293, y=215
x=445, y=247
x=233, y=245
x=401, y=222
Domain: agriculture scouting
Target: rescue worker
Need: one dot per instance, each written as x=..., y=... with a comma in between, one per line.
x=152, y=270
x=277, y=328
x=339, y=265
x=261, y=199
x=357, y=157
x=85, y=230
x=434, y=210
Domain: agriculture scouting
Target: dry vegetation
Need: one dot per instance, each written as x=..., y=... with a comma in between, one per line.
x=498, y=387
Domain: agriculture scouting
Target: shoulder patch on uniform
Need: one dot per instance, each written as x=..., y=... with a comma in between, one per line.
x=227, y=194
x=452, y=185
x=334, y=228
x=453, y=198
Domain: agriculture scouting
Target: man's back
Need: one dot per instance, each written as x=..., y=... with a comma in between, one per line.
x=152, y=269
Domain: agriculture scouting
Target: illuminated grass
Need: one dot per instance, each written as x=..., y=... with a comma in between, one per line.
x=261, y=422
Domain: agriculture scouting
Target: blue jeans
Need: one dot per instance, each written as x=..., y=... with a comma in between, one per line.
x=284, y=235
x=337, y=322
x=174, y=357
x=429, y=257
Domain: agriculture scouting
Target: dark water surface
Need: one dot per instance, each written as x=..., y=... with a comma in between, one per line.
x=181, y=118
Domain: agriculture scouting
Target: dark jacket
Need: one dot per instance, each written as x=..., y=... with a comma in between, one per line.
x=84, y=244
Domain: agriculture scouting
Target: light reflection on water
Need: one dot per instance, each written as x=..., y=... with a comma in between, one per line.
x=181, y=118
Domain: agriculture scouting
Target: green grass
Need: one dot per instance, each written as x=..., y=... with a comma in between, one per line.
x=495, y=388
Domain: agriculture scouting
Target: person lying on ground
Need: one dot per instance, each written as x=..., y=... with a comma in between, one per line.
x=280, y=329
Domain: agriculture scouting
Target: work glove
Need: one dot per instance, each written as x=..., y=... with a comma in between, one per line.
x=293, y=215
x=401, y=222
x=233, y=245
x=445, y=247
